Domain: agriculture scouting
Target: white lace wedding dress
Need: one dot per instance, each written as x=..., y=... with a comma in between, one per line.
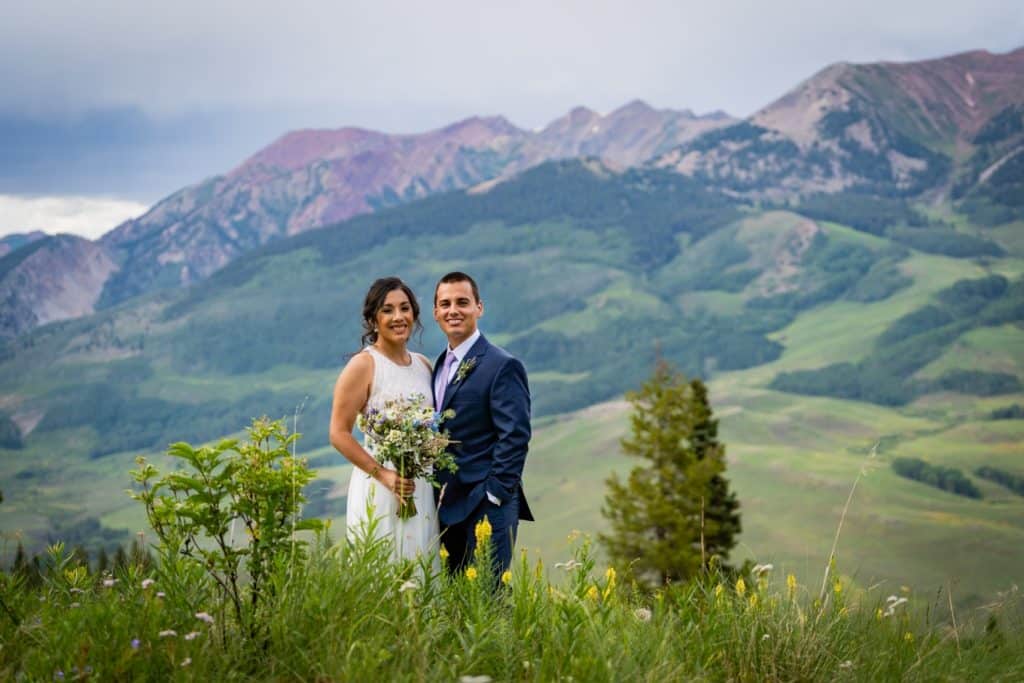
x=418, y=535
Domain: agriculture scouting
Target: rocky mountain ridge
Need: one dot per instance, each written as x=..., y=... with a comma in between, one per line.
x=907, y=128
x=941, y=129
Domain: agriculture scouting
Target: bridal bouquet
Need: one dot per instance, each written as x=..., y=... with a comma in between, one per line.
x=407, y=432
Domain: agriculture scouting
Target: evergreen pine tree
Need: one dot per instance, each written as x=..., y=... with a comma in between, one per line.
x=675, y=511
x=721, y=509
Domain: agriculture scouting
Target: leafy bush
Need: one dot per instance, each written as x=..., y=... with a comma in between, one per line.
x=194, y=511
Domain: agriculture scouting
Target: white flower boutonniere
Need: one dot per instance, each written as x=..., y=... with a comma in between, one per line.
x=465, y=367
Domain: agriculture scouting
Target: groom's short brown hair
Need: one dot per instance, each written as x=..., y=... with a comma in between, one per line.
x=457, y=276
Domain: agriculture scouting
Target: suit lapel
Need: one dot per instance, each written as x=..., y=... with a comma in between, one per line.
x=476, y=351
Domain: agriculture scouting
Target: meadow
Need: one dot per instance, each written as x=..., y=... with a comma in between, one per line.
x=344, y=612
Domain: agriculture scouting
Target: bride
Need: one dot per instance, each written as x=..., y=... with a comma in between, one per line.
x=385, y=369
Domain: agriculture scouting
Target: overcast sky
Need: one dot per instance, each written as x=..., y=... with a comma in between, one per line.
x=222, y=79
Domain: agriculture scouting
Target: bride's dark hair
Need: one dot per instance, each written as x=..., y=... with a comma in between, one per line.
x=374, y=301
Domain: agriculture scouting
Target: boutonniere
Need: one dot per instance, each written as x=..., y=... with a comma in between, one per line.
x=465, y=367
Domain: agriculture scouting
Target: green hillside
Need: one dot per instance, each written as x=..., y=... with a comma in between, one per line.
x=586, y=275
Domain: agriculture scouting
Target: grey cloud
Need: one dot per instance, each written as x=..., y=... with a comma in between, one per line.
x=530, y=60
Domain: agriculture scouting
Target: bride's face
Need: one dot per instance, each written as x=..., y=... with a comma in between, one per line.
x=395, y=318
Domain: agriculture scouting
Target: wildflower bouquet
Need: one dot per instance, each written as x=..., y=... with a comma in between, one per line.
x=407, y=432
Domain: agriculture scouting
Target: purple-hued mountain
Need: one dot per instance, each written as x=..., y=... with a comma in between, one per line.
x=311, y=178
x=17, y=240
x=936, y=129
x=49, y=279
x=910, y=128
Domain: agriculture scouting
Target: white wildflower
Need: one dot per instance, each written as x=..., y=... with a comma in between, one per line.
x=408, y=586
x=109, y=583
x=892, y=603
x=760, y=569
x=185, y=662
x=204, y=616
x=169, y=633
x=192, y=636
x=146, y=583
x=642, y=613
x=568, y=566
x=848, y=664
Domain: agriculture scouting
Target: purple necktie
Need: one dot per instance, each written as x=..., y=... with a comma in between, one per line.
x=442, y=378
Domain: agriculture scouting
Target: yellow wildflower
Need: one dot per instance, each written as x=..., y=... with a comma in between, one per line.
x=837, y=588
x=610, y=575
x=741, y=587
x=753, y=601
x=791, y=584
x=444, y=552
x=879, y=614
x=482, y=531
x=592, y=593
x=908, y=636
x=719, y=590
x=506, y=578
x=471, y=573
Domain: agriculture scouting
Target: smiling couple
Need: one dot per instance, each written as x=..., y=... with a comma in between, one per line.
x=488, y=391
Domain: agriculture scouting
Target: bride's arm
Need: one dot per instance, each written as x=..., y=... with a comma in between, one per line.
x=350, y=394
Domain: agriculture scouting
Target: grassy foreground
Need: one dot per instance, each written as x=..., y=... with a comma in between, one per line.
x=345, y=613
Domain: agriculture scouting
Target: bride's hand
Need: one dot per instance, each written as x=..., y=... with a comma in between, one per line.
x=403, y=488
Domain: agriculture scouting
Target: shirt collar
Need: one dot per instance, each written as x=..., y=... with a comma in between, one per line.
x=462, y=349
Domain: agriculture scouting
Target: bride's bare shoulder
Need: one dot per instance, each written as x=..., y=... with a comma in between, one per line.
x=359, y=365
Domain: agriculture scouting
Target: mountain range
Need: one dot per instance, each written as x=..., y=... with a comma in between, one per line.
x=870, y=319
x=943, y=128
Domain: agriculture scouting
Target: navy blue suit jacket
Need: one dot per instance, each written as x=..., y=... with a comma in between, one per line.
x=492, y=428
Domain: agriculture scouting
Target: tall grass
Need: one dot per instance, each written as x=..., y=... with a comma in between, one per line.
x=347, y=613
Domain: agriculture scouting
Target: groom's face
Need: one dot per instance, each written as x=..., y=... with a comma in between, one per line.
x=456, y=310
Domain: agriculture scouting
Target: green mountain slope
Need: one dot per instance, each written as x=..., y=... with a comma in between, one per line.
x=587, y=275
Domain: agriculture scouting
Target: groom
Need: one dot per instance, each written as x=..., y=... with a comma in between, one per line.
x=487, y=389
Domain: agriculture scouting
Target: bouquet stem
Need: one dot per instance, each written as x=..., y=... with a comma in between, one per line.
x=407, y=508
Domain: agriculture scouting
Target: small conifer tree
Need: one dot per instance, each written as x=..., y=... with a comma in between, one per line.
x=675, y=513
